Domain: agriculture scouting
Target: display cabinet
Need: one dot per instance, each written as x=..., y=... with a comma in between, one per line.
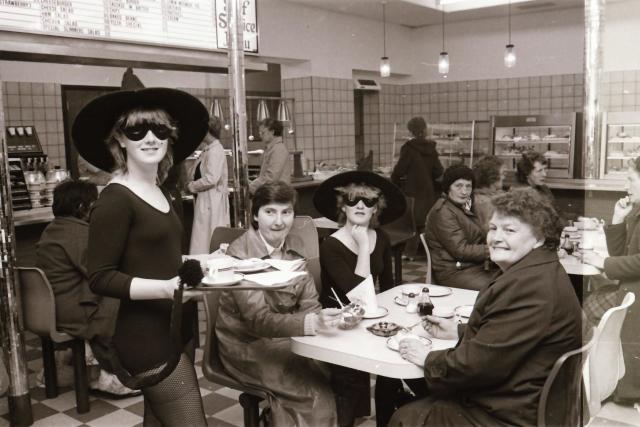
x=620, y=142
x=461, y=142
x=553, y=136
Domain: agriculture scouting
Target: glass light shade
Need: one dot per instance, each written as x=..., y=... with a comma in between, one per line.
x=263, y=111
x=283, y=114
x=216, y=110
x=443, y=63
x=510, y=56
x=385, y=67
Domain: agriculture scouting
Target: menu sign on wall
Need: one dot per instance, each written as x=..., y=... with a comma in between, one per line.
x=190, y=23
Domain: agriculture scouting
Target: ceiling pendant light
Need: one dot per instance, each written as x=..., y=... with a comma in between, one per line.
x=216, y=110
x=443, y=60
x=385, y=65
x=263, y=111
x=283, y=113
x=510, y=49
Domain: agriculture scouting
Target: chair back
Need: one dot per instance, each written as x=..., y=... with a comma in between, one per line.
x=423, y=239
x=560, y=401
x=39, y=304
x=606, y=363
x=224, y=235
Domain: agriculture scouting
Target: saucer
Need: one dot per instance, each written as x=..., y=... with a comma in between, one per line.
x=394, y=342
x=382, y=311
x=237, y=277
x=398, y=300
x=242, y=266
x=438, y=291
x=464, y=310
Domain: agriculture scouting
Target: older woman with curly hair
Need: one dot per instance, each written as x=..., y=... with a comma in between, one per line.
x=522, y=322
x=489, y=173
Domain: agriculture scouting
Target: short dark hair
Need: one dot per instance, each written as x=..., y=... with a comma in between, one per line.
x=526, y=164
x=74, y=198
x=418, y=127
x=272, y=192
x=487, y=171
x=215, y=126
x=455, y=172
x=530, y=207
x=273, y=125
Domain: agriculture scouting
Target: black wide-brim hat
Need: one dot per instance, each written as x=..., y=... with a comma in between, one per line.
x=325, y=197
x=96, y=119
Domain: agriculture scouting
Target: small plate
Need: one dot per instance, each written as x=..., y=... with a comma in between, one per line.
x=398, y=300
x=382, y=311
x=237, y=277
x=394, y=344
x=252, y=268
x=464, y=311
x=570, y=229
x=439, y=291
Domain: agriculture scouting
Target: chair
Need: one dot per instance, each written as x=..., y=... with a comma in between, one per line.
x=400, y=231
x=606, y=362
x=39, y=317
x=423, y=239
x=214, y=371
x=561, y=400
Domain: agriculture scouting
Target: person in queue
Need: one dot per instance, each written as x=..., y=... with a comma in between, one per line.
x=135, y=241
x=254, y=327
x=212, y=204
x=489, y=173
x=275, y=159
x=522, y=322
x=622, y=265
x=360, y=202
x=420, y=166
x=454, y=234
x=61, y=253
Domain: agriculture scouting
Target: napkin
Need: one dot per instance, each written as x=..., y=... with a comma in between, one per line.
x=273, y=277
x=366, y=293
x=286, y=265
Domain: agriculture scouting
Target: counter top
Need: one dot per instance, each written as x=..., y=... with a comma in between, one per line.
x=32, y=216
x=586, y=184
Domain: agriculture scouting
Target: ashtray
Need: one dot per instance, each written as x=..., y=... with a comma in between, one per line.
x=384, y=329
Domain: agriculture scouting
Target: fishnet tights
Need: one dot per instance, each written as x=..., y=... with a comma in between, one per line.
x=176, y=400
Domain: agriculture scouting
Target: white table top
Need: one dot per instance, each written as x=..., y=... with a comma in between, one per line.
x=360, y=349
x=591, y=238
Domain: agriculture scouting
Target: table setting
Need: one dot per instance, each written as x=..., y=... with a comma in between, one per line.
x=581, y=236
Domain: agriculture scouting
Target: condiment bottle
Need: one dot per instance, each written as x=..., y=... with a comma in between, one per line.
x=425, y=306
x=567, y=245
x=412, y=304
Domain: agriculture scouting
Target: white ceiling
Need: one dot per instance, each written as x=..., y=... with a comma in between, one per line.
x=412, y=14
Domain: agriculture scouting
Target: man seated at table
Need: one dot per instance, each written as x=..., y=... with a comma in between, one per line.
x=254, y=326
x=61, y=253
x=522, y=322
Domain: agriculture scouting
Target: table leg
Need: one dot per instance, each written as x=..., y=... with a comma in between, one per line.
x=397, y=260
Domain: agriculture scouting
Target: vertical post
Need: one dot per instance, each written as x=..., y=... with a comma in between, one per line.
x=237, y=106
x=594, y=21
x=11, y=330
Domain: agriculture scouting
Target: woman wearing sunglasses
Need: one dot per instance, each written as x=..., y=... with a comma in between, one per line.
x=359, y=202
x=135, y=241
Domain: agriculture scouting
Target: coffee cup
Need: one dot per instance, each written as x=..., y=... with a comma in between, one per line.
x=220, y=269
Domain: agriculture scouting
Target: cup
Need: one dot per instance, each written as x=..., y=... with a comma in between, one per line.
x=220, y=269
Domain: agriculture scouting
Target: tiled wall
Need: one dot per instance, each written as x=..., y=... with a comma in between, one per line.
x=620, y=91
x=40, y=105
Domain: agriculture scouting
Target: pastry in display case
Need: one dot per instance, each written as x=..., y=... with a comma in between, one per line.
x=620, y=143
x=460, y=142
x=553, y=136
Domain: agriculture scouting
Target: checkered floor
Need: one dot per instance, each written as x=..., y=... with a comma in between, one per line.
x=220, y=403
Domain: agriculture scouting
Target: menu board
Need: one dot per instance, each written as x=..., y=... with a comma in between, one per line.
x=190, y=23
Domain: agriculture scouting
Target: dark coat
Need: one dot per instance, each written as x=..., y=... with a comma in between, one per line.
x=62, y=254
x=457, y=245
x=522, y=322
x=420, y=164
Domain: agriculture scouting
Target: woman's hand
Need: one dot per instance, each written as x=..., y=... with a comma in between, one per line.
x=327, y=318
x=439, y=327
x=152, y=288
x=413, y=350
x=593, y=258
x=621, y=210
x=360, y=235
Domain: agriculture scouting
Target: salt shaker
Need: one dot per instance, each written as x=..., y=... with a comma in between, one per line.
x=412, y=304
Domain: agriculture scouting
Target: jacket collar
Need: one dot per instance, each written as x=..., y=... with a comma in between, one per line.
x=275, y=141
x=537, y=256
x=293, y=245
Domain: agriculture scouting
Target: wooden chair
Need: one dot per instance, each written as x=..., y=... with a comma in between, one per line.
x=561, y=398
x=423, y=239
x=39, y=317
x=400, y=231
x=606, y=362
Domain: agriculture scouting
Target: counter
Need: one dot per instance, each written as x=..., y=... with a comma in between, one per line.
x=586, y=184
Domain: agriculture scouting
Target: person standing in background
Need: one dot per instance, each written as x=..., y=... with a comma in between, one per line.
x=212, y=204
x=420, y=165
x=275, y=160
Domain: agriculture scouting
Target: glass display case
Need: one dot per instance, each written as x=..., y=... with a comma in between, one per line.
x=553, y=136
x=620, y=142
x=460, y=142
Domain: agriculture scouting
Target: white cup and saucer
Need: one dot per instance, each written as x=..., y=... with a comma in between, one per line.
x=219, y=272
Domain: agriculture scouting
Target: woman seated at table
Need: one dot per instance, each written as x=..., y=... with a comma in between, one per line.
x=359, y=201
x=254, y=327
x=623, y=265
x=531, y=171
x=459, y=253
x=522, y=322
x=489, y=173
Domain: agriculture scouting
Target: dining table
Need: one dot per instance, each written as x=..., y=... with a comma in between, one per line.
x=360, y=349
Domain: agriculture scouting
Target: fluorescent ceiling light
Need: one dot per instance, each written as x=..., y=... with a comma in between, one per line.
x=458, y=5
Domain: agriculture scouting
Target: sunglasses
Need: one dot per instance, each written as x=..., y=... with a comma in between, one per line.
x=368, y=201
x=139, y=131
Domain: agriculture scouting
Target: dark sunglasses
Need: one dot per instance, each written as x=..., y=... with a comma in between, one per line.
x=139, y=131
x=368, y=202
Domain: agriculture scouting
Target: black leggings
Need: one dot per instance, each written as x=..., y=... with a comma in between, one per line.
x=176, y=400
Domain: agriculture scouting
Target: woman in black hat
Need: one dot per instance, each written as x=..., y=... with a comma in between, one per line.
x=359, y=201
x=135, y=241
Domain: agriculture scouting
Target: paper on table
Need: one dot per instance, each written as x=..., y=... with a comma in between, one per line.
x=366, y=293
x=273, y=277
x=286, y=265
